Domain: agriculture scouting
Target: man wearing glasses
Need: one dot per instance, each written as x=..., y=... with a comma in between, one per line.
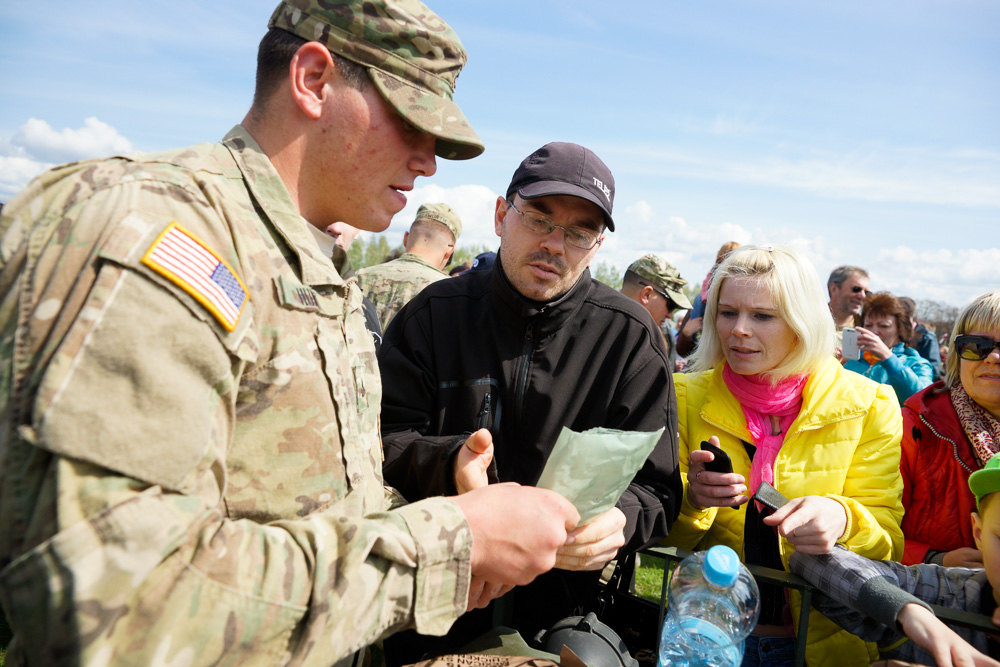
x=848, y=288
x=481, y=373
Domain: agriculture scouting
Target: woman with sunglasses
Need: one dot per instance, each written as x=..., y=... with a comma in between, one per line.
x=885, y=345
x=768, y=391
x=950, y=430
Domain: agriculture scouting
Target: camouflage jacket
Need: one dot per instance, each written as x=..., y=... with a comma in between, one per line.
x=190, y=466
x=392, y=284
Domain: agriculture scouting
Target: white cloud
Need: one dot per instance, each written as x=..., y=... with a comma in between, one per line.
x=15, y=172
x=473, y=203
x=94, y=139
x=949, y=276
x=876, y=173
x=36, y=146
x=640, y=211
x=954, y=277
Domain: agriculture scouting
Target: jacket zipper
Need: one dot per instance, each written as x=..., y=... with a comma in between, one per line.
x=522, y=374
x=484, y=412
x=954, y=445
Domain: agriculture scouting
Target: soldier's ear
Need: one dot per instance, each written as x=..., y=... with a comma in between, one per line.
x=310, y=70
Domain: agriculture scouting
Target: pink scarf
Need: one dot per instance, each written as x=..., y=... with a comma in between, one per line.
x=760, y=399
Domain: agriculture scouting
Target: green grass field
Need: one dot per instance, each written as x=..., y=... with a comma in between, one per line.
x=649, y=578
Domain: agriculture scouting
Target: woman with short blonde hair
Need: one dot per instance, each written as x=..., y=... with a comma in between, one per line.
x=769, y=392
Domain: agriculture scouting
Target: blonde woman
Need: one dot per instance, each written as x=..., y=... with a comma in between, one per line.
x=767, y=389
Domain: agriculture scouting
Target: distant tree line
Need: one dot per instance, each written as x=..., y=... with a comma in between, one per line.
x=937, y=316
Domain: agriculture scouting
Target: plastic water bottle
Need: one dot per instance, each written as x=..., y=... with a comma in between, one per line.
x=713, y=605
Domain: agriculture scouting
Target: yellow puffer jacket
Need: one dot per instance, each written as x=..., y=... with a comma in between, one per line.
x=843, y=445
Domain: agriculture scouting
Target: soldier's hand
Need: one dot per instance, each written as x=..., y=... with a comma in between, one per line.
x=591, y=546
x=482, y=592
x=516, y=530
x=472, y=461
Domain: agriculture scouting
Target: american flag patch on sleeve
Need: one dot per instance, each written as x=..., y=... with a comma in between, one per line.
x=185, y=260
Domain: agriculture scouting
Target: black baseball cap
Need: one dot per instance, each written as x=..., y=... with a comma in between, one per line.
x=565, y=169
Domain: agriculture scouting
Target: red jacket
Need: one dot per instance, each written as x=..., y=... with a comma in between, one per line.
x=936, y=462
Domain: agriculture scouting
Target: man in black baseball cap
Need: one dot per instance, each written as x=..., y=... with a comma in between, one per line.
x=514, y=354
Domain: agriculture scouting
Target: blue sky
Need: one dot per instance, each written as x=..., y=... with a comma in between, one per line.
x=861, y=132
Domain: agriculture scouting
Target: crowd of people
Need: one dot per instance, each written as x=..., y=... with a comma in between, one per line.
x=221, y=444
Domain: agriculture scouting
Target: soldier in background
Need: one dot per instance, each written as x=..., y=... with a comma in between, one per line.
x=429, y=244
x=657, y=286
x=335, y=243
x=189, y=401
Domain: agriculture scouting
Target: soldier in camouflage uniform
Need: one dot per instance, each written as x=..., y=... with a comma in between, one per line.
x=189, y=401
x=657, y=284
x=429, y=245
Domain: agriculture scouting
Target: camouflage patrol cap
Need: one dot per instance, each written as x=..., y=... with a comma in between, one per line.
x=412, y=56
x=663, y=276
x=441, y=213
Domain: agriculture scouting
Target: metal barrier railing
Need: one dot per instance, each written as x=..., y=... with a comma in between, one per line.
x=952, y=617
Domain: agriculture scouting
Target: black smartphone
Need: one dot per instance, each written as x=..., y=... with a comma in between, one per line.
x=721, y=462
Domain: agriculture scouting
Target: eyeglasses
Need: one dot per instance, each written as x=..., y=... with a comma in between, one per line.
x=542, y=225
x=975, y=348
x=858, y=289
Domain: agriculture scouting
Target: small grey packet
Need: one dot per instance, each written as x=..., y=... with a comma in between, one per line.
x=593, y=468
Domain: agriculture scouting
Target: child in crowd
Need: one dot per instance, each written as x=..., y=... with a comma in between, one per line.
x=881, y=600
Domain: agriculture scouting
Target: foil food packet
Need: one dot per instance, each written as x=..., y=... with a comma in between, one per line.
x=593, y=468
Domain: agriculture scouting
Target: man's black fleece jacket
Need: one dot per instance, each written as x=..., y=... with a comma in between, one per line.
x=470, y=352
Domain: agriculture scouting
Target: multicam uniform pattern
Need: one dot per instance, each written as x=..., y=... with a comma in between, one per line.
x=173, y=492
x=391, y=285
x=414, y=59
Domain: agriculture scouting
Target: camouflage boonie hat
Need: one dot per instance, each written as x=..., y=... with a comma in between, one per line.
x=441, y=213
x=412, y=56
x=663, y=276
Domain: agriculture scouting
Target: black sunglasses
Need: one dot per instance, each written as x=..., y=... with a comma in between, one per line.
x=858, y=289
x=975, y=348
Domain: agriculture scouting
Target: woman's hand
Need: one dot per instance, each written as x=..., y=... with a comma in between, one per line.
x=869, y=342
x=713, y=489
x=812, y=524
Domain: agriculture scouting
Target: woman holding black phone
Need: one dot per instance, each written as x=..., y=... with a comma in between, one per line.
x=769, y=392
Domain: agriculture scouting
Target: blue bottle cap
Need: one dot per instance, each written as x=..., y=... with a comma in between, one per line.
x=722, y=566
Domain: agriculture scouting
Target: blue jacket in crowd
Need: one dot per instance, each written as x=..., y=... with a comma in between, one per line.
x=906, y=371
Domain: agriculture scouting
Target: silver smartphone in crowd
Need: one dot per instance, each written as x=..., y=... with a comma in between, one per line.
x=849, y=347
